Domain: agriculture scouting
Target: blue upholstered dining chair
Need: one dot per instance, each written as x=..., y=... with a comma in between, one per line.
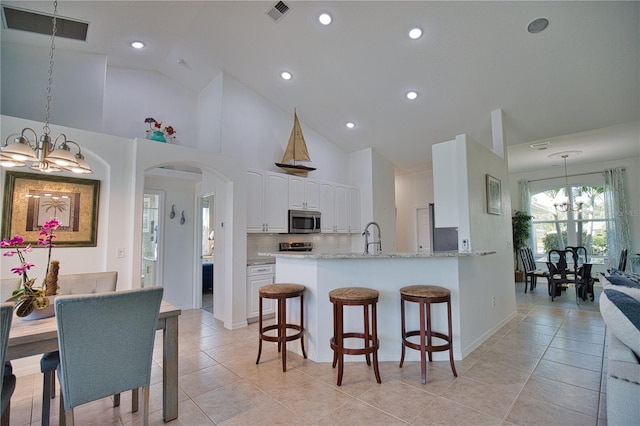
x=7, y=379
x=86, y=283
x=106, y=345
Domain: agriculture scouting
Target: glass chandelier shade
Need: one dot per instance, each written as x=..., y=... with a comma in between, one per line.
x=567, y=203
x=43, y=155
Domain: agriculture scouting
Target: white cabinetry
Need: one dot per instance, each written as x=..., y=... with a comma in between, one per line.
x=257, y=276
x=303, y=193
x=340, y=207
x=267, y=201
x=353, y=199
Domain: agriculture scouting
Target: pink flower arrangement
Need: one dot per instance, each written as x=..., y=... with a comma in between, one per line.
x=29, y=297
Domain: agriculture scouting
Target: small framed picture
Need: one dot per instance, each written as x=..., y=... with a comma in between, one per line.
x=494, y=195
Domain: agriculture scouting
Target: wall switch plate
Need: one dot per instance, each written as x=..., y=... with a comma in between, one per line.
x=120, y=253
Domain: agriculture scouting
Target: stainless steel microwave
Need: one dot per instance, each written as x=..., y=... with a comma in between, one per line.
x=304, y=222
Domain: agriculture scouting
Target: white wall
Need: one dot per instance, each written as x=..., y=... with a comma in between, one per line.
x=77, y=90
x=87, y=94
x=459, y=194
x=133, y=95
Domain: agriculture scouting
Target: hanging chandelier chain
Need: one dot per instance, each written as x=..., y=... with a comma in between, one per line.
x=50, y=80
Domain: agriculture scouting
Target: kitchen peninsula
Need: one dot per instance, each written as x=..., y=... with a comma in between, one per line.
x=468, y=275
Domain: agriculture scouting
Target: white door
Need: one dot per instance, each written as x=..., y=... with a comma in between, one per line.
x=423, y=228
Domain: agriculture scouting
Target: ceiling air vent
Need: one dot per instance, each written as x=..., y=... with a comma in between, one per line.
x=40, y=23
x=278, y=10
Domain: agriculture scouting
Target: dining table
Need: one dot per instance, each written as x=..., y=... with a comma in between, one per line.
x=28, y=338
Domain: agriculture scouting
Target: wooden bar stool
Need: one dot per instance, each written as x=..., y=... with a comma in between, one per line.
x=425, y=295
x=282, y=292
x=354, y=296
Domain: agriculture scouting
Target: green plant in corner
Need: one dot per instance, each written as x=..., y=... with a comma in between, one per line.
x=521, y=227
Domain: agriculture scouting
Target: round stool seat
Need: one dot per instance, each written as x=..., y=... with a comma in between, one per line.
x=427, y=291
x=281, y=290
x=353, y=294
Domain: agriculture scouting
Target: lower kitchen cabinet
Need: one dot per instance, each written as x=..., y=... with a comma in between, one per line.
x=257, y=276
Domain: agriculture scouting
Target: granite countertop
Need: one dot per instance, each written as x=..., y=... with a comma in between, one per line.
x=378, y=255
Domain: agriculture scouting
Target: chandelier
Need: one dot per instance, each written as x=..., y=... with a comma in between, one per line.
x=566, y=204
x=45, y=154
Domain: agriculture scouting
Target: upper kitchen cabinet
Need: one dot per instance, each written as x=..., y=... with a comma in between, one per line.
x=268, y=197
x=353, y=200
x=340, y=207
x=303, y=193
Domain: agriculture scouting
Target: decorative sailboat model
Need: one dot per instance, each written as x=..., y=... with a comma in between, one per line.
x=296, y=151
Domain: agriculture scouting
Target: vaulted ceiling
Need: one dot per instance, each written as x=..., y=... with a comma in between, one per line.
x=580, y=74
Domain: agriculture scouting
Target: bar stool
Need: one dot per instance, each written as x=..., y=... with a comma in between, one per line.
x=282, y=292
x=425, y=295
x=354, y=296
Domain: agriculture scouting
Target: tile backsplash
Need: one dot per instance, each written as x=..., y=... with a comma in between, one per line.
x=322, y=243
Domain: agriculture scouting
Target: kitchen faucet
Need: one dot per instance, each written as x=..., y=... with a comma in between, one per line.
x=366, y=238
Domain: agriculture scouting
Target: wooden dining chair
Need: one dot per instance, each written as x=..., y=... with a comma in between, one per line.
x=106, y=345
x=7, y=378
x=531, y=272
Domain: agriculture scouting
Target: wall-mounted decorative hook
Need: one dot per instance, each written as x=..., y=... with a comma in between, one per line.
x=182, y=219
x=173, y=211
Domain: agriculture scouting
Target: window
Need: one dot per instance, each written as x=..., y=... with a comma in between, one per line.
x=586, y=227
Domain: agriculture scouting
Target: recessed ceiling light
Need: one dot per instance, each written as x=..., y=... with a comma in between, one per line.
x=137, y=44
x=415, y=33
x=325, y=18
x=412, y=95
x=538, y=25
x=350, y=124
x=286, y=75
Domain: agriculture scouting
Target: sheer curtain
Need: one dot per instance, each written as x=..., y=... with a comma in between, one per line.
x=615, y=204
x=525, y=203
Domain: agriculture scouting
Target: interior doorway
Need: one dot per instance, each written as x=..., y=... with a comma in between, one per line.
x=208, y=250
x=423, y=227
x=152, y=227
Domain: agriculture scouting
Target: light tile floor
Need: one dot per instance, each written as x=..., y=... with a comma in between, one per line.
x=544, y=367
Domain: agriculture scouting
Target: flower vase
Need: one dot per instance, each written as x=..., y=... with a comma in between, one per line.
x=47, y=312
x=158, y=136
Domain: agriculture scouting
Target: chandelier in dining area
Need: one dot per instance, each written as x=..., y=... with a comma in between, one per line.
x=44, y=154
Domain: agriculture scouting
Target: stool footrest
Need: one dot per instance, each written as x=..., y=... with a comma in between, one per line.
x=432, y=348
x=373, y=346
x=288, y=338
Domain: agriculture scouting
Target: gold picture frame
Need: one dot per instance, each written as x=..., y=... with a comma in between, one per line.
x=494, y=195
x=30, y=199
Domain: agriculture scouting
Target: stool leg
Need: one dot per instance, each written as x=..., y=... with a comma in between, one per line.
x=404, y=332
x=428, y=312
x=374, y=332
x=423, y=348
x=335, y=333
x=304, y=353
x=259, y=329
x=453, y=367
x=367, y=336
x=340, y=343
x=282, y=330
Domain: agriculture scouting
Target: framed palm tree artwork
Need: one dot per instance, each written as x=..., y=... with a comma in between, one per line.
x=31, y=199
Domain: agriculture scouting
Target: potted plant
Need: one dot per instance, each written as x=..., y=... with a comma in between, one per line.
x=29, y=297
x=521, y=227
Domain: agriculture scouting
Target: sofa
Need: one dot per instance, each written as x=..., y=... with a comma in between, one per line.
x=620, y=309
x=92, y=282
